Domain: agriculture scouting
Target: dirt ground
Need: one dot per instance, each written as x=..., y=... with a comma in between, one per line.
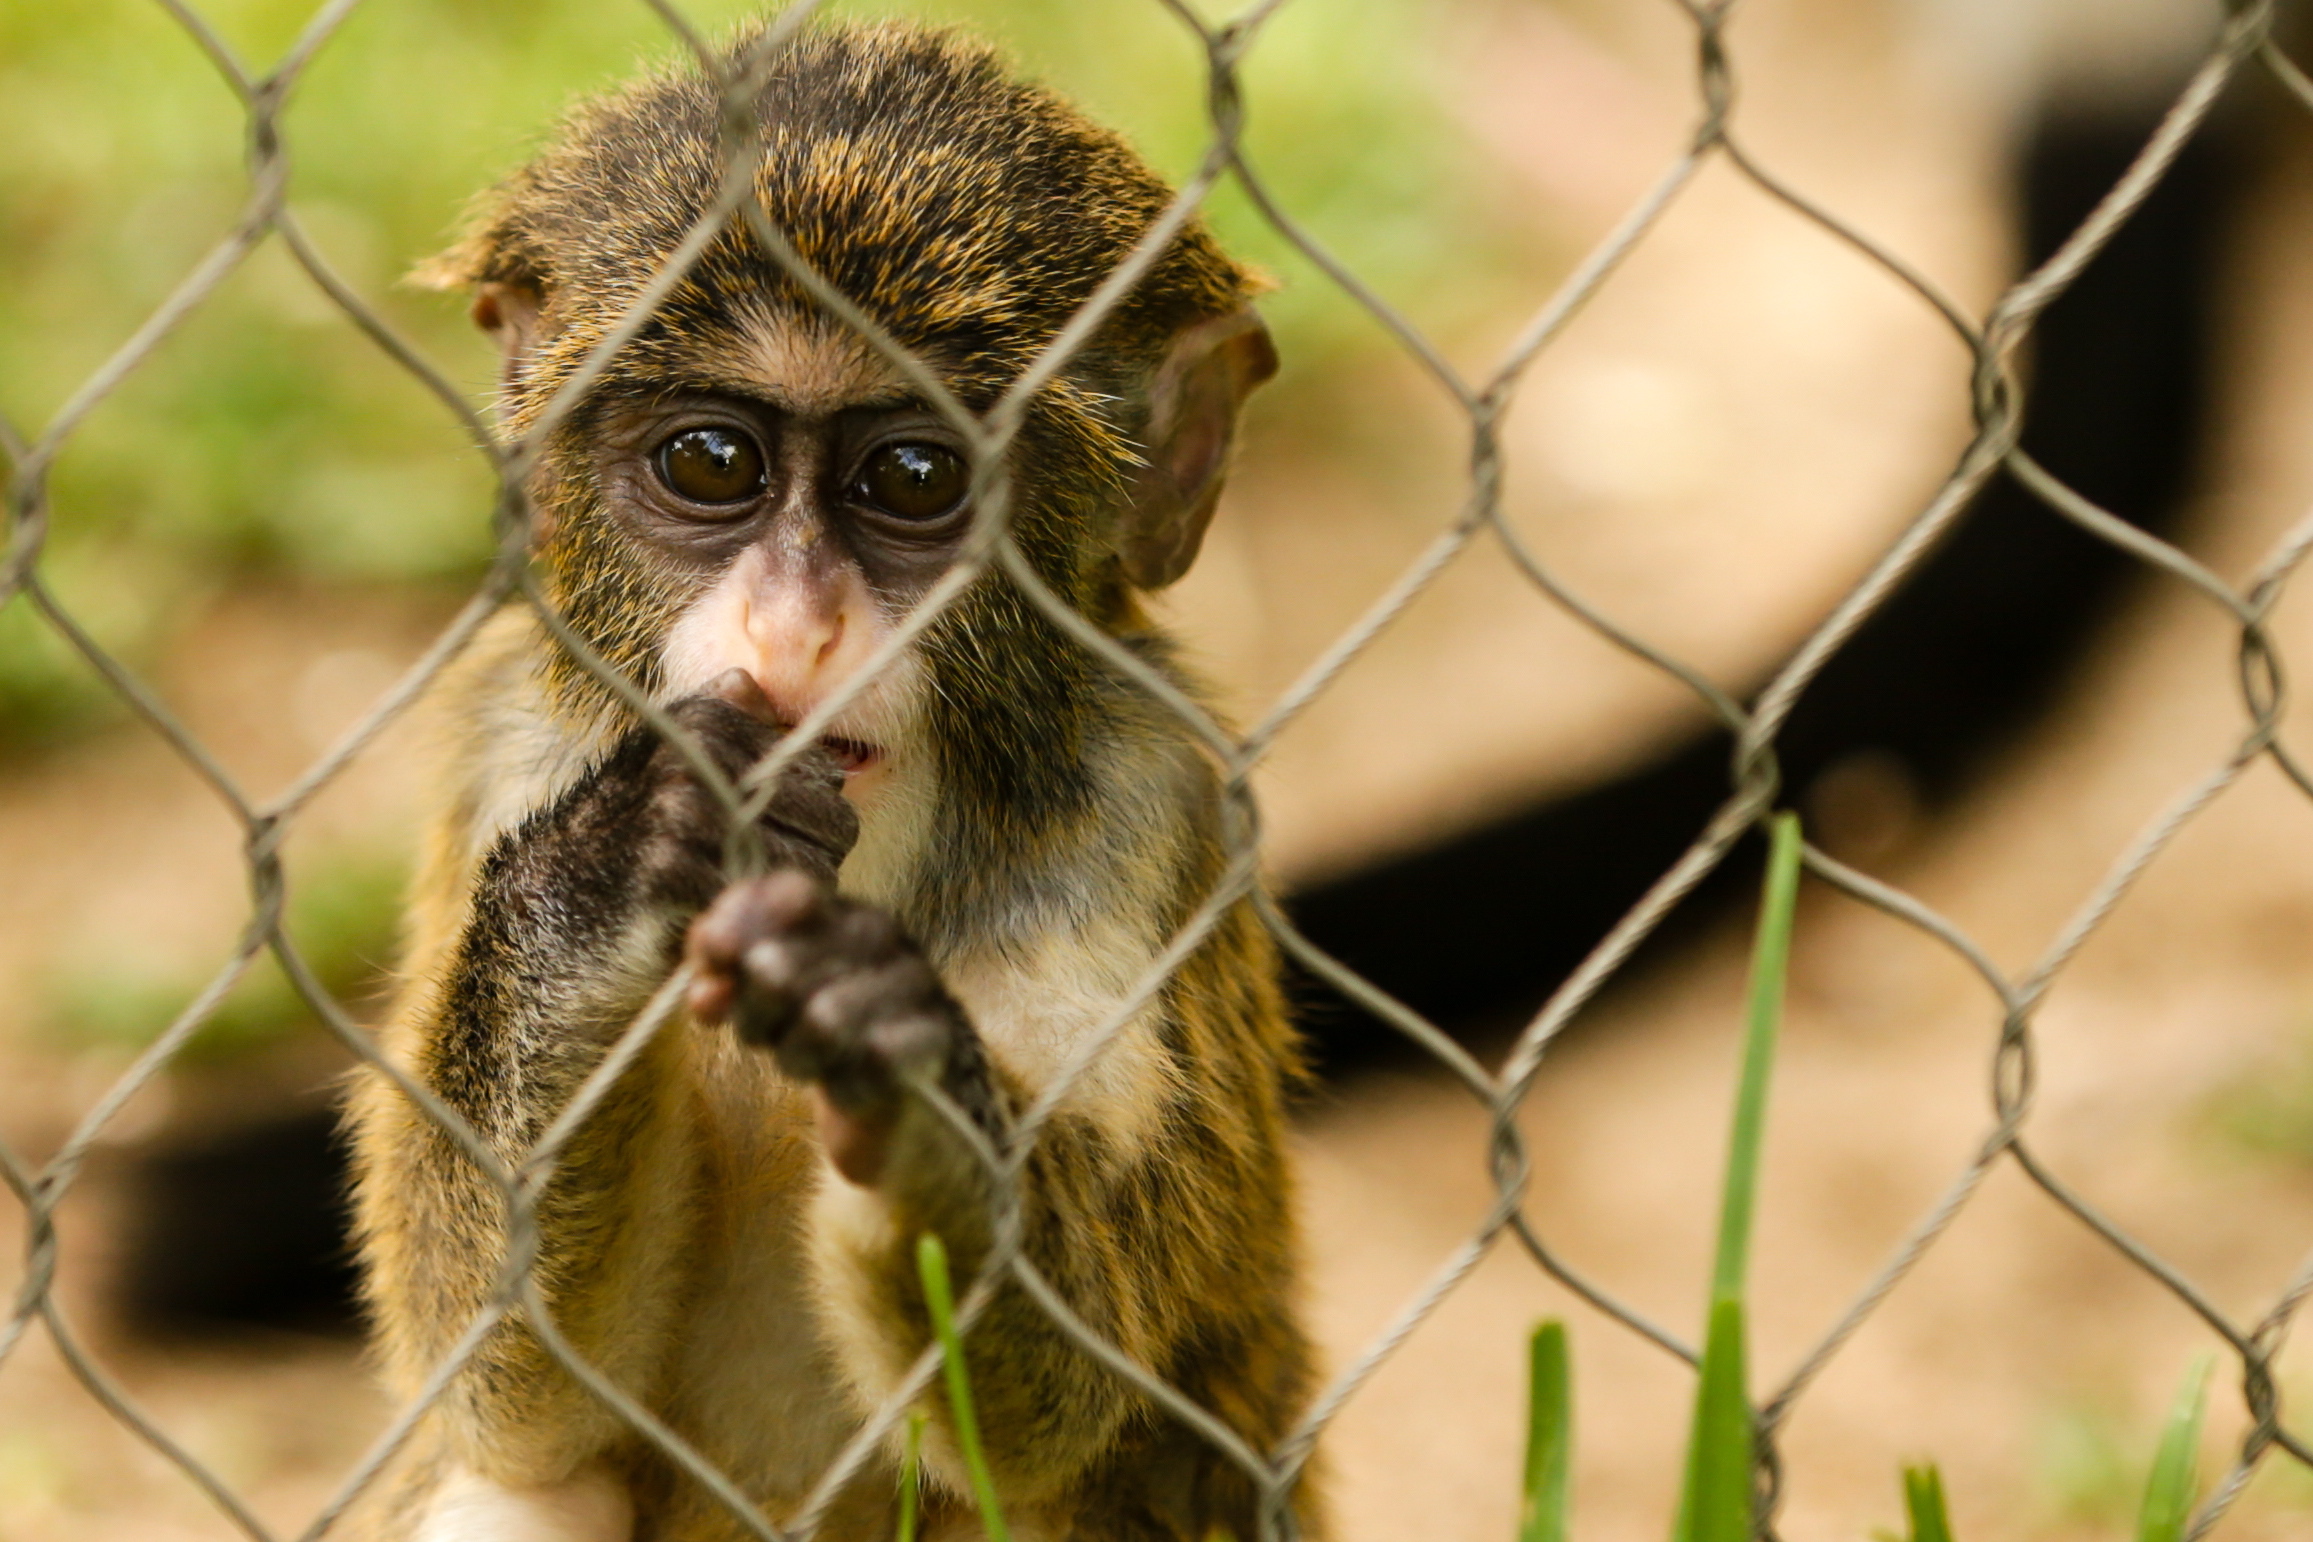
x=2023, y=1354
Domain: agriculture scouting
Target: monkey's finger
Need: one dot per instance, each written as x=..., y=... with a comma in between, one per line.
x=863, y=1029
x=732, y=737
x=814, y=835
x=858, y=1146
x=777, y=965
x=785, y=901
x=822, y=1049
x=764, y=1017
x=865, y=1079
x=864, y=936
x=916, y=1041
x=718, y=933
x=777, y=975
x=710, y=996
x=810, y=804
x=743, y=691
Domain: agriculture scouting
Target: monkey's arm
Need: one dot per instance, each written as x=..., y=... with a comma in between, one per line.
x=1163, y=1237
x=571, y=920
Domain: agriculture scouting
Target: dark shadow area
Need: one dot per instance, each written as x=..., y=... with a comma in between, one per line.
x=238, y=1231
x=1477, y=931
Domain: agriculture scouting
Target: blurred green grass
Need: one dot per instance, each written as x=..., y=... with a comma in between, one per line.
x=267, y=437
x=343, y=912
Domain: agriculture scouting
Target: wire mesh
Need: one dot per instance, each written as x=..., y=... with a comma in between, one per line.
x=2243, y=43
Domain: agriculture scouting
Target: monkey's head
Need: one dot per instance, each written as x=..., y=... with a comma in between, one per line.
x=748, y=484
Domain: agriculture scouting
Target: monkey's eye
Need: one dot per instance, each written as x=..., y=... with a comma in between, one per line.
x=913, y=480
x=711, y=465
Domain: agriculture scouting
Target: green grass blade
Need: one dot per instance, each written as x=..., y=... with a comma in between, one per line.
x=940, y=1299
x=2174, y=1485
x=911, y=1479
x=1717, y=1501
x=1770, y=965
x=1549, y=1436
x=1923, y=1503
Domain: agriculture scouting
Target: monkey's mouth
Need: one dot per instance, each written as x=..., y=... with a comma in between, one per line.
x=852, y=756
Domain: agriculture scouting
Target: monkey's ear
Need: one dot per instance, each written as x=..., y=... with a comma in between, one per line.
x=1194, y=400
x=509, y=313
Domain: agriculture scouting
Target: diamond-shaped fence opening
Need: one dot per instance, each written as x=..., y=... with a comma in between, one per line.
x=1996, y=341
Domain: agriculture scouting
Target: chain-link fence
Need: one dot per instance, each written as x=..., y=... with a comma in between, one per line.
x=2243, y=45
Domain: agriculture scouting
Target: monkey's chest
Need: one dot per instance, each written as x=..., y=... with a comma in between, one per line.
x=750, y=1378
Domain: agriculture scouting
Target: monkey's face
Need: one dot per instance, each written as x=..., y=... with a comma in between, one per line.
x=748, y=485
x=792, y=503
x=752, y=489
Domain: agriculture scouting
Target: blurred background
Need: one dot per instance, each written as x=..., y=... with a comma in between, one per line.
x=269, y=520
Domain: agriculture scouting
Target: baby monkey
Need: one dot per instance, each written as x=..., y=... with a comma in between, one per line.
x=970, y=869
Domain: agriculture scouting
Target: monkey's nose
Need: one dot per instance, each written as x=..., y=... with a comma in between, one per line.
x=794, y=649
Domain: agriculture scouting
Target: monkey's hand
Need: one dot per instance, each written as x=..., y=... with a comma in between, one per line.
x=847, y=1002
x=807, y=824
x=628, y=855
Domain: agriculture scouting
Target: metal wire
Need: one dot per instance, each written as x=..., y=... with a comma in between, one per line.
x=2243, y=42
